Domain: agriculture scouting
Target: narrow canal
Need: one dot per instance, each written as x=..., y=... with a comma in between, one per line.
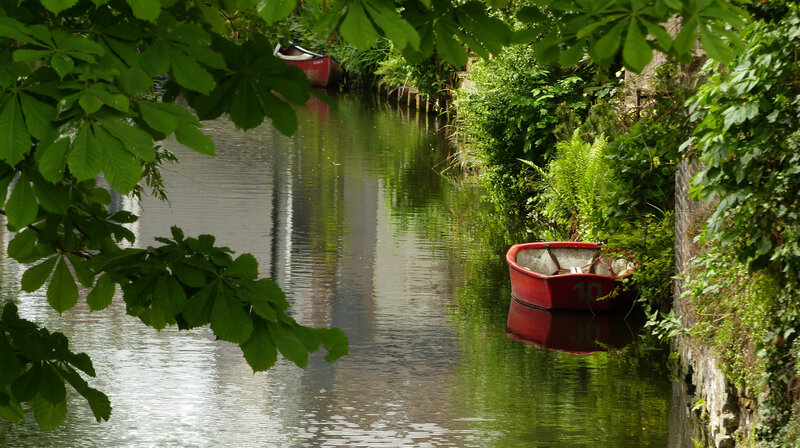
x=351, y=217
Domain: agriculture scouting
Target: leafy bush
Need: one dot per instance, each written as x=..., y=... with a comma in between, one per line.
x=576, y=180
x=650, y=243
x=430, y=77
x=359, y=67
x=645, y=154
x=509, y=109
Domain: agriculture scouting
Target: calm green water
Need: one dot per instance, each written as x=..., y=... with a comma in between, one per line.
x=352, y=219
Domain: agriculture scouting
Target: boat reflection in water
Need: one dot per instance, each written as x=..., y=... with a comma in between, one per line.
x=572, y=332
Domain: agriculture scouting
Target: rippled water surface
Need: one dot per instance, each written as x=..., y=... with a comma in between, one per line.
x=351, y=217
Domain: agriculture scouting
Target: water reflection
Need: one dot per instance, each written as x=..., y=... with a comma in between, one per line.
x=351, y=220
x=572, y=332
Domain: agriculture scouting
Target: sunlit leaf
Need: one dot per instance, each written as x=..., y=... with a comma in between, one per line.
x=120, y=167
x=229, y=321
x=62, y=64
x=56, y=6
x=259, y=351
x=448, y=48
x=158, y=119
x=356, y=27
x=15, y=141
x=189, y=74
x=686, y=38
x=715, y=46
x=401, y=33
x=48, y=415
x=148, y=10
x=274, y=10
x=244, y=266
x=194, y=138
x=135, y=140
x=35, y=276
x=22, y=207
x=102, y=294
x=26, y=55
x=637, y=53
x=90, y=103
x=85, y=159
x=62, y=291
x=606, y=46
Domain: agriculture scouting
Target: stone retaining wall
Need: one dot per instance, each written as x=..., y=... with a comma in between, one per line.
x=724, y=413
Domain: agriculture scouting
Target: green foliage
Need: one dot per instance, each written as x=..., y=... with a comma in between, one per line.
x=650, y=243
x=359, y=67
x=748, y=136
x=602, y=29
x=36, y=365
x=644, y=155
x=577, y=180
x=508, y=110
x=732, y=309
x=77, y=101
x=430, y=77
x=666, y=326
x=755, y=111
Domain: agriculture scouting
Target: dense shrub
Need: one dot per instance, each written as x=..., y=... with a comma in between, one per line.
x=508, y=109
x=644, y=154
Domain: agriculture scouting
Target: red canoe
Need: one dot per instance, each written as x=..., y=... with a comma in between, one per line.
x=322, y=70
x=572, y=332
x=566, y=275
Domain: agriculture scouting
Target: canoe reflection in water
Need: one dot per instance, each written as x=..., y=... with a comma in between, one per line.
x=573, y=332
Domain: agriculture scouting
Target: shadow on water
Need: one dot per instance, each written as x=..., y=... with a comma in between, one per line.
x=352, y=221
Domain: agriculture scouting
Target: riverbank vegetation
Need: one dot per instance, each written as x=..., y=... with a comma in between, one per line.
x=608, y=174
x=77, y=101
x=747, y=137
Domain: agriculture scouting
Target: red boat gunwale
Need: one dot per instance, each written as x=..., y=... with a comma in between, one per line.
x=321, y=70
x=575, y=291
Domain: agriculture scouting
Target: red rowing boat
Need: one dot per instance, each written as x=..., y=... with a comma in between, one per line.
x=567, y=275
x=322, y=70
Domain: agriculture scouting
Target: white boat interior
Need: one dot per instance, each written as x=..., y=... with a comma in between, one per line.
x=571, y=260
x=295, y=53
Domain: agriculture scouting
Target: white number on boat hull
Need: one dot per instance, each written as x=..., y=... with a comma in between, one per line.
x=588, y=291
